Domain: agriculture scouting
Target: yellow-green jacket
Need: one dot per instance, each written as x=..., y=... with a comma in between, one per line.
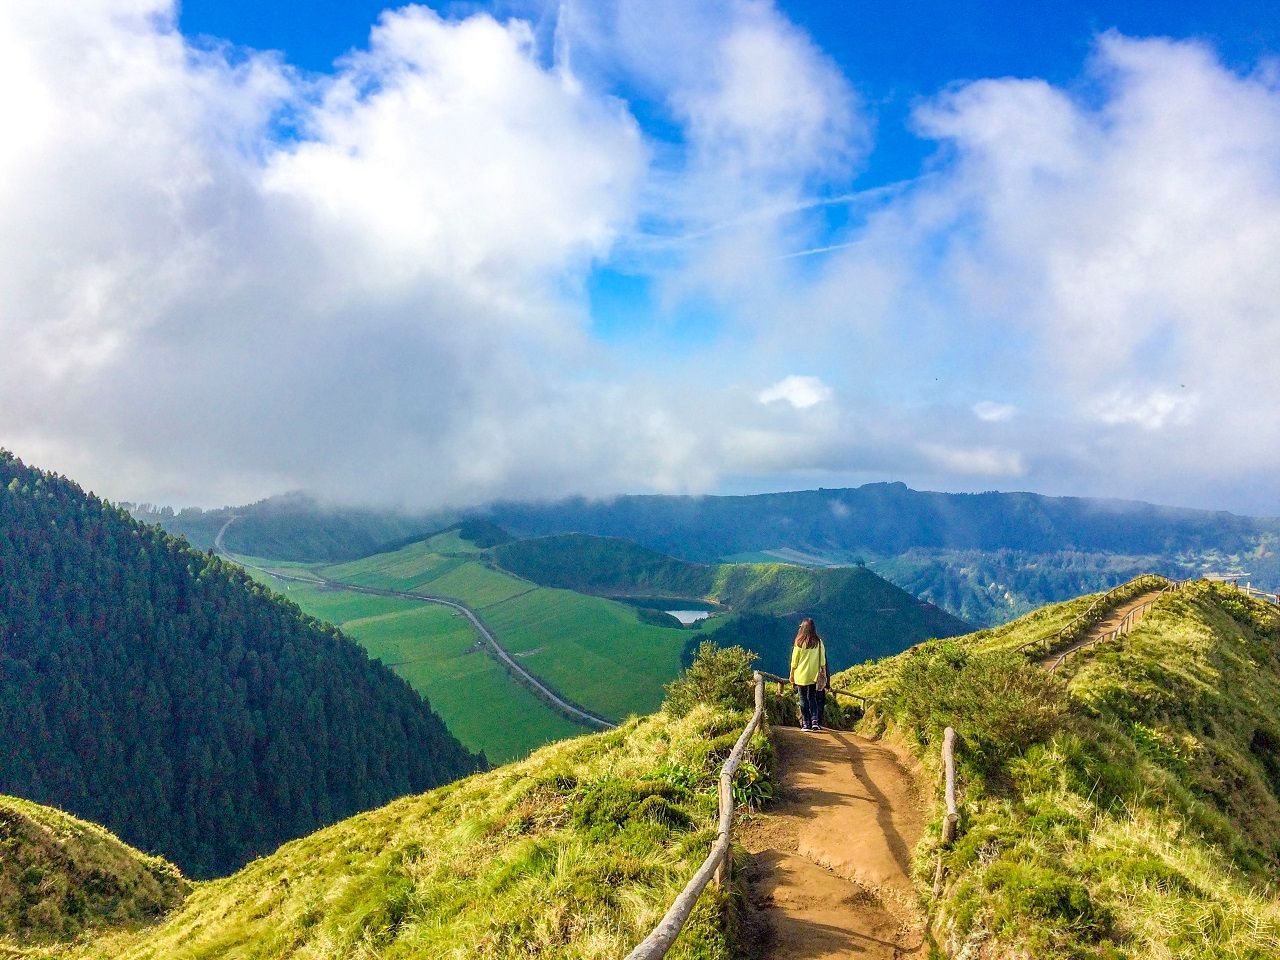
x=806, y=662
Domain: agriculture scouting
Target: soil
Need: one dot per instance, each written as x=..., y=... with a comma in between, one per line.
x=829, y=873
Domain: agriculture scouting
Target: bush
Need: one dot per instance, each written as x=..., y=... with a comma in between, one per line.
x=719, y=676
x=1042, y=894
x=999, y=703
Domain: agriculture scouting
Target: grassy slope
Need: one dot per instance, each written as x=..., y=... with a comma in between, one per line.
x=61, y=877
x=593, y=651
x=1138, y=812
x=574, y=852
x=434, y=649
x=859, y=614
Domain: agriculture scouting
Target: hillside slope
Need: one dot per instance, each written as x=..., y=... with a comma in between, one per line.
x=1128, y=808
x=61, y=878
x=574, y=852
x=985, y=558
x=859, y=614
x=160, y=692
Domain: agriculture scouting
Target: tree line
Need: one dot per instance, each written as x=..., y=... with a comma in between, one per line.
x=158, y=690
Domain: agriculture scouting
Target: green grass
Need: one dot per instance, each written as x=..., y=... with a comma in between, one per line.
x=62, y=878
x=1129, y=808
x=595, y=652
x=434, y=649
x=574, y=853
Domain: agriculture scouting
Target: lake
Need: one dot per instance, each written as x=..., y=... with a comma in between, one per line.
x=689, y=616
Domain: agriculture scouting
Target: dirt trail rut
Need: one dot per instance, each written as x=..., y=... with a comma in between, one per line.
x=1104, y=626
x=829, y=874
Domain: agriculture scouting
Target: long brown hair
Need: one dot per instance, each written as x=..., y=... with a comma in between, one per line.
x=807, y=635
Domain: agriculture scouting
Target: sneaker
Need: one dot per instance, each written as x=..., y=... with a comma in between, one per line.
x=805, y=727
x=817, y=726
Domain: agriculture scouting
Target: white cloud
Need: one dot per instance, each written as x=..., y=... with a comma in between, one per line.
x=377, y=309
x=1151, y=410
x=976, y=461
x=992, y=412
x=1065, y=243
x=388, y=303
x=800, y=392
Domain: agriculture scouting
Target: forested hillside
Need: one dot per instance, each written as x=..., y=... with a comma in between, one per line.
x=294, y=527
x=159, y=691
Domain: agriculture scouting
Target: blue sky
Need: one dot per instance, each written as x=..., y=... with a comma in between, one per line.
x=895, y=52
x=433, y=255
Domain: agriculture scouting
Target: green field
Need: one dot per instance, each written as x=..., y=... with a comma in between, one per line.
x=593, y=651
x=554, y=614
x=434, y=649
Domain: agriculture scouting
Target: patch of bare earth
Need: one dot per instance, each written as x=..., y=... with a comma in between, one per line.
x=830, y=863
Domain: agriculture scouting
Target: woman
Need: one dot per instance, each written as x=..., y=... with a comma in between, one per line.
x=809, y=674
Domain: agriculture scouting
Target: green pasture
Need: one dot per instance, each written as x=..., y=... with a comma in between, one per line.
x=594, y=651
x=434, y=649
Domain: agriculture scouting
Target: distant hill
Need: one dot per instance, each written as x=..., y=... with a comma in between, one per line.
x=159, y=691
x=860, y=615
x=1114, y=807
x=61, y=877
x=985, y=558
x=295, y=527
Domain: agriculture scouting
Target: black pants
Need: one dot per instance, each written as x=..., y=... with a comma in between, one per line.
x=812, y=702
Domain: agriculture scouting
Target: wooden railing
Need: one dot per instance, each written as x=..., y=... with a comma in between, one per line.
x=1126, y=624
x=839, y=691
x=718, y=865
x=1249, y=590
x=951, y=819
x=1100, y=607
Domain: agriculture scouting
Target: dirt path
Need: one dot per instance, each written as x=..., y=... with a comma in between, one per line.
x=1103, y=627
x=830, y=865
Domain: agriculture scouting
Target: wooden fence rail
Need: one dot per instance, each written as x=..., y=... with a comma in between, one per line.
x=838, y=691
x=718, y=865
x=1249, y=590
x=951, y=819
x=1125, y=626
x=1095, y=612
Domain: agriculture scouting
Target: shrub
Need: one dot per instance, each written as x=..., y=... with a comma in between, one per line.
x=998, y=702
x=1040, y=893
x=751, y=786
x=611, y=804
x=719, y=676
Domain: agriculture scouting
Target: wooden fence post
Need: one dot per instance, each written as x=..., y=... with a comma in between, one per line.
x=949, y=772
x=724, y=869
x=951, y=820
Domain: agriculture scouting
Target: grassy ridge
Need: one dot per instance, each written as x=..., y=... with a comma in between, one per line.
x=860, y=614
x=575, y=852
x=61, y=877
x=1130, y=808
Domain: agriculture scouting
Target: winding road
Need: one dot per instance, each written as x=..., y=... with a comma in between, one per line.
x=544, y=692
